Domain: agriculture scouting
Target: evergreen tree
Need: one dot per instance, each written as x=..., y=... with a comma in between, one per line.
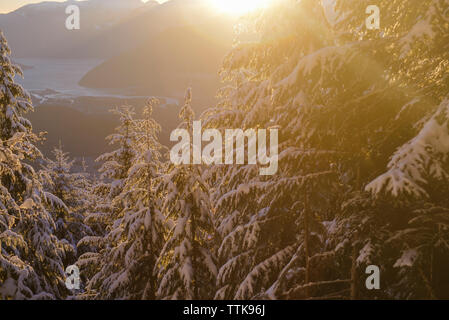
x=263, y=221
x=407, y=213
x=344, y=98
x=105, y=217
x=144, y=223
x=71, y=189
x=31, y=257
x=187, y=266
x=136, y=237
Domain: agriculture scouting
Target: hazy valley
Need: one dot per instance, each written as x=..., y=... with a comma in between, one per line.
x=75, y=77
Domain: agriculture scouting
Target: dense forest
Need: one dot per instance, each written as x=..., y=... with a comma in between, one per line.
x=363, y=178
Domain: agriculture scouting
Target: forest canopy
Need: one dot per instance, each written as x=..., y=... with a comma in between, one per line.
x=362, y=179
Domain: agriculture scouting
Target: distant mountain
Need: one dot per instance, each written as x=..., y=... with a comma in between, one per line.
x=108, y=27
x=38, y=30
x=168, y=63
x=184, y=44
x=145, y=23
x=150, y=49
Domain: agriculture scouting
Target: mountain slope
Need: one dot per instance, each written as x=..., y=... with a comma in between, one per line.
x=170, y=62
x=143, y=24
x=38, y=30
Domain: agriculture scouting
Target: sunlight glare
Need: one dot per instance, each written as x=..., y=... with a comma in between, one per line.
x=239, y=6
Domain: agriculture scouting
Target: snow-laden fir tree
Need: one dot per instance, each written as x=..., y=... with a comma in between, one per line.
x=372, y=93
x=417, y=183
x=265, y=222
x=344, y=98
x=144, y=224
x=136, y=237
x=31, y=256
x=409, y=212
x=374, y=87
x=186, y=266
x=108, y=209
x=71, y=188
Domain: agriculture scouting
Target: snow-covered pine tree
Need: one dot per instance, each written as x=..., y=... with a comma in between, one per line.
x=31, y=256
x=109, y=208
x=265, y=221
x=144, y=224
x=186, y=266
x=367, y=88
x=71, y=188
x=344, y=97
x=137, y=235
x=417, y=183
x=410, y=56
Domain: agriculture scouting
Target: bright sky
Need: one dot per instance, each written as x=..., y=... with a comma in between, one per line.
x=231, y=6
x=10, y=5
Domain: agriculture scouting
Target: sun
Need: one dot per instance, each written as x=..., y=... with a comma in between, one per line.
x=239, y=6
